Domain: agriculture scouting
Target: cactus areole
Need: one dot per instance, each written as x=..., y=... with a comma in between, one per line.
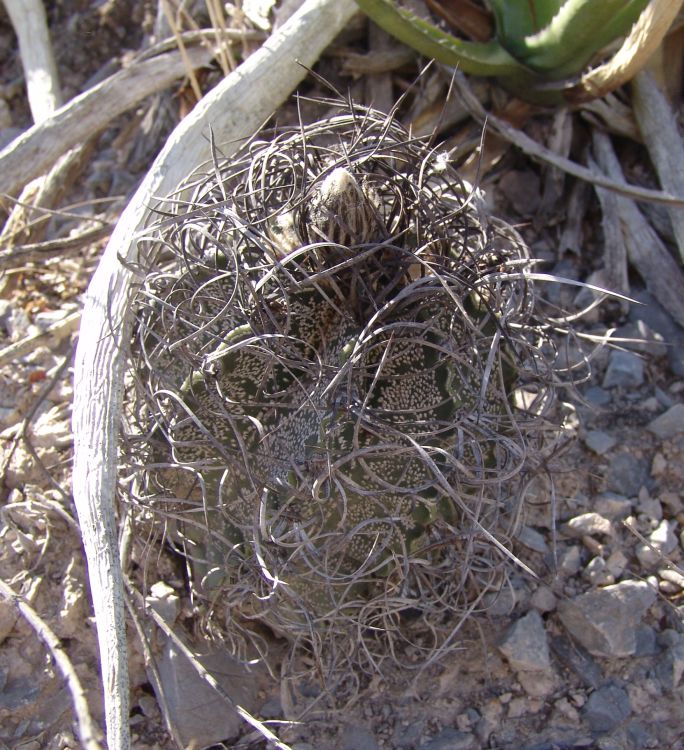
x=329, y=333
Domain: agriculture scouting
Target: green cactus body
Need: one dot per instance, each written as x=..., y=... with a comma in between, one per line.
x=339, y=380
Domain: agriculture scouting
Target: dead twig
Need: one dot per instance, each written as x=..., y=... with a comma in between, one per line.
x=36, y=150
x=55, y=333
x=88, y=731
x=537, y=151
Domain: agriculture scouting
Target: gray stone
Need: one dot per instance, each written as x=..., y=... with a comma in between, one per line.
x=588, y=524
x=532, y=539
x=451, y=739
x=662, y=541
x=644, y=339
x=600, y=442
x=597, y=396
x=670, y=666
x=646, y=641
x=607, y=708
x=356, y=737
x=669, y=424
x=407, y=735
x=605, y=621
x=597, y=573
x=657, y=319
x=525, y=645
x=543, y=599
x=201, y=715
x=625, y=369
x=627, y=474
x=612, y=506
x=571, y=561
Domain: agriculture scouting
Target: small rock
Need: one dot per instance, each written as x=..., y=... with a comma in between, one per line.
x=571, y=561
x=657, y=319
x=612, y=506
x=670, y=666
x=201, y=715
x=600, y=442
x=605, y=621
x=597, y=396
x=672, y=576
x=17, y=324
x=627, y=474
x=450, y=739
x=662, y=541
x=607, y=708
x=669, y=424
x=543, y=599
x=616, y=563
x=646, y=641
x=650, y=507
x=407, y=735
x=597, y=573
x=589, y=524
x=164, y=601
x=357, y=738
x=625, y=369
x=527, y=651
x=532, y=539
x=645, y=340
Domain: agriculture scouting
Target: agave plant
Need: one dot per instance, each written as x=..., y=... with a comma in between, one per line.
x=330, y=333
x=537, y=46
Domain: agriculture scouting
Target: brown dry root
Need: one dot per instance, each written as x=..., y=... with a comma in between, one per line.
x=329, y=335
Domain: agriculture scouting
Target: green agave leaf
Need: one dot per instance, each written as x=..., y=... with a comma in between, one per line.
x=579, y=30
x=476, y=58
x=517, y=19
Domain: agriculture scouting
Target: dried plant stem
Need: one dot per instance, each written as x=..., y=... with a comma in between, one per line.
x=259, y=85
x=663, y=140
x=537, y=151
x=36, y=150
x=55, y=333
x=663, y=276
x=88, y=731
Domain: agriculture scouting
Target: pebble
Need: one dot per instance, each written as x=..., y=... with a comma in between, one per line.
x=571, y=561
x=672, y=576
x=625, y=369
x=357, y=738
x=607, y=708
x=612, y=506
x=627, y=474
x=597, y=396
x=527, y=650
x=604, y=621
x=646, y=641
x=600, y=442
x=650, y=507
x=449, y=739
x=670, y=667
x=588, y=524
x=662, y=541
x=532, y=539
x=543, y=599
x=645, y=339
x=669, y=424
x=407, y=735
x=616, y=563
x=657, y=319
x=597, y=573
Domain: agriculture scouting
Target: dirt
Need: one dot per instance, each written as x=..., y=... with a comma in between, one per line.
x=475, y=699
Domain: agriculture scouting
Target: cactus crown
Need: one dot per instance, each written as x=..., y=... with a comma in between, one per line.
x=329, y=334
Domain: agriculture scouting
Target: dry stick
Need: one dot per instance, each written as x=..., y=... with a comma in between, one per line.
x=536, y=150
x=52, y=335
x=236, y=108
x=39, y=251
x=36, y=150
x=88, y=731
x=663, y=140
x=663, y=276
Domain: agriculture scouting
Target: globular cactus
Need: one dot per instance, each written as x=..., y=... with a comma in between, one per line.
x=330, y=333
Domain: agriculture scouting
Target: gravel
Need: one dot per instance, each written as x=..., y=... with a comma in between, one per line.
x=605, y=621
x=669, y=424
x=607, y=708
x=625, y=369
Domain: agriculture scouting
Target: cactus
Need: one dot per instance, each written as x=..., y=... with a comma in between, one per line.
x=329, y=339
